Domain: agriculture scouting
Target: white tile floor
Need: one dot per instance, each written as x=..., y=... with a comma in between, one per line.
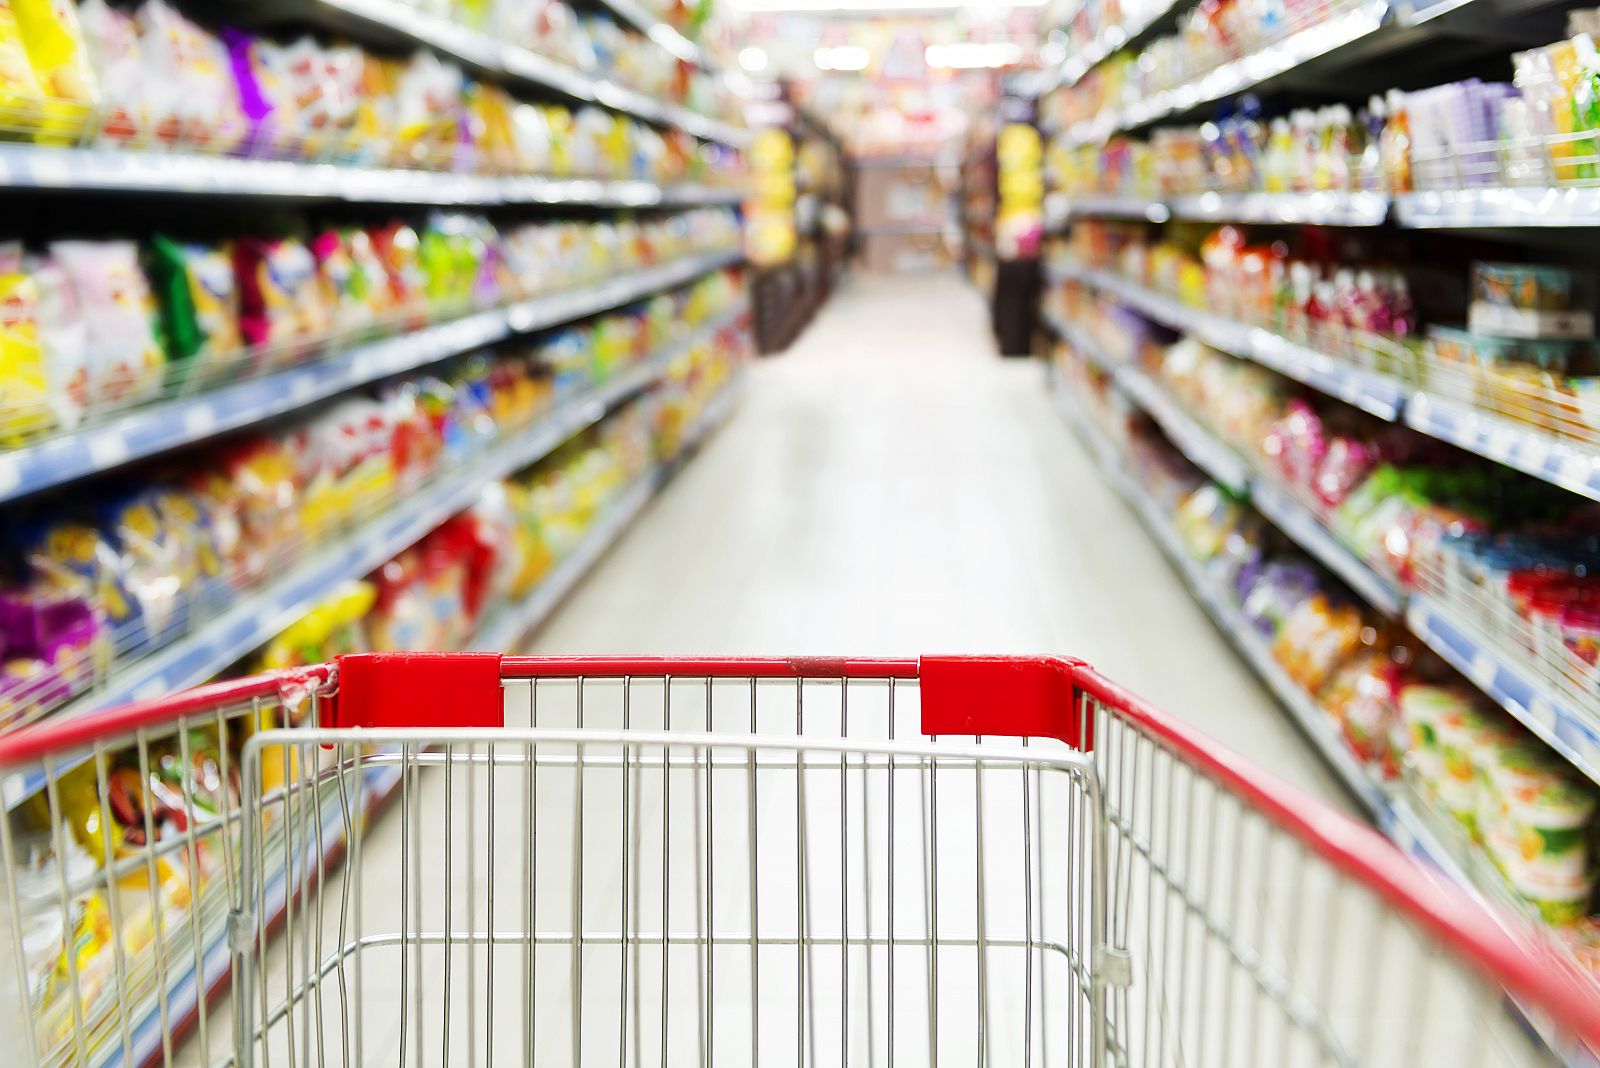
x=889, y=486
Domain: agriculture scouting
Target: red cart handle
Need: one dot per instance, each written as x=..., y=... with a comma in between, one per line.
x=992, y=696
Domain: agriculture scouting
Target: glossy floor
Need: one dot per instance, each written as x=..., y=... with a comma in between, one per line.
x=889, y=486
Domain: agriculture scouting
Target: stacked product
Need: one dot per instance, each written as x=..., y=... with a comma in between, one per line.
x=152, y=78
x=432, y=596
x=1528, y=351
x=153, y=559
x=97, y=326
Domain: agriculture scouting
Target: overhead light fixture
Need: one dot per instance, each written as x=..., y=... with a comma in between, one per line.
x=973, y=55
x=753, y=59
x=867, y=7
x=843, y=57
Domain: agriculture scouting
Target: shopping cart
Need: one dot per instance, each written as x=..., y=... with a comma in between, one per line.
x=629, y=862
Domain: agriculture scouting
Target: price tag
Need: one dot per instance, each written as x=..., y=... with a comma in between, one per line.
x=107, y=449
x=10, y=473
x=199, y=420
x=1483, y=669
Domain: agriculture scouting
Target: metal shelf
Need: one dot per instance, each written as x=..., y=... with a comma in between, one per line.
x=1393, y=814
x=1295, y=520
x=1320, y=208
x=507, y=630
x=1376, y=393
x=1222, y=462
x=1568, y=465
x=1243, y=636
x=1235, y=472
x=1325, y=208
x=97, y=169
x=1566, y=729
x=183, y=421
x=402, y=23
x=500, y=633
x=256, y=616
x=1268, y=62
x=1499, y=207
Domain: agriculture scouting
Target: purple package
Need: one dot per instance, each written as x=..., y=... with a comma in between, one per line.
x=37, y=624
x=52, y=644
x=1485, y=101
x=259, y=92
x=1282, y=584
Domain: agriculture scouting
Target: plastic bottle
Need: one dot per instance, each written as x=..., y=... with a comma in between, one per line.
x=1586, y=106
x=1369, y=170
x=1275, y=163
x=1303, y=154
x=1333, y=165
x=1396, y=147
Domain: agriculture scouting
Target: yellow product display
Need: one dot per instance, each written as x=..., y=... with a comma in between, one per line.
x=20, y=91
x=331, y=629
x=24, y=384
x=60, y=62
x=490, y=110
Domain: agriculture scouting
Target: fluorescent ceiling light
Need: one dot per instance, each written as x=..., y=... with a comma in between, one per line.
x=844, y=57
x=753, y=59
x=972, y=55
x=870, y=6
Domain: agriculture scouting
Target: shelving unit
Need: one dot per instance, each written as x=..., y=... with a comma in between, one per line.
x=256, y=616
x=399, y=23
x=505, y=630
x=1573, y=732
x=25, y=166
x=1389, y=806
x=182, y=421
x=1225, y=465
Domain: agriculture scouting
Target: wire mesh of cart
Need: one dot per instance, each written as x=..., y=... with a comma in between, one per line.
x=630, y=862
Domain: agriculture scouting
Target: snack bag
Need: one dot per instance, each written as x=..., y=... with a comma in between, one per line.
x=60, y=61
x=112, y=39
x=370, y=139
x=25, y=408
x=153, y=568
x=344, y=283
x=21, y=94
x=261, y=80
x=195, y=102
x=398, y=247
x=281, y=297
x=369, y=274
x=323, y=83
x=73, y=559
x=427, y=106
x=193, y=527
x=64, y=339
x=199, y=303
x=125, y=362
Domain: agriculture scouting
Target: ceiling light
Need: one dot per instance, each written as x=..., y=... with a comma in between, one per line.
x=972, y=55
x=844, y=57
x=753, y=59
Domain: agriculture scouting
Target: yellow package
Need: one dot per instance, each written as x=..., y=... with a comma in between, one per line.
x=24, y=386
x=21, y=95
x=490, y=109
x=1565, y=66
x=60, y=62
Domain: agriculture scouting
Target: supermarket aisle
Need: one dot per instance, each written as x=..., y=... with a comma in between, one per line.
x=888, y=487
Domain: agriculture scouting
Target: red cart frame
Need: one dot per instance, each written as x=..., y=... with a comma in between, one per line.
x=632, y=861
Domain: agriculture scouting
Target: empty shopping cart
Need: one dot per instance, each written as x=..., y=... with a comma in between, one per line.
x=640, y=862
